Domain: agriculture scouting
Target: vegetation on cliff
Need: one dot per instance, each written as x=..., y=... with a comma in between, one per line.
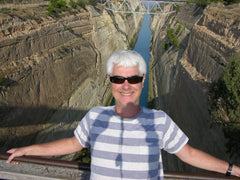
x=172, y=38
x=225, y=102
x=57, y=6
x=204, y=3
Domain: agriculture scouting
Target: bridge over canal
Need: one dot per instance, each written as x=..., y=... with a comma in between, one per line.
x=143, y=6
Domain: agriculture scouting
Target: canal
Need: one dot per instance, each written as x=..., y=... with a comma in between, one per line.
x=142, y=47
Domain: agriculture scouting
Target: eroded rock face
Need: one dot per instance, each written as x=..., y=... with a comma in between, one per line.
x=53, y=69
x=181, y=77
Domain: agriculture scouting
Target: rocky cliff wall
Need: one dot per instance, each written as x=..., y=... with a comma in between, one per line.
x=181, y=77
x=53, y=69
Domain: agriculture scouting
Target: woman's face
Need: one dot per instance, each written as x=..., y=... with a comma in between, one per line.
x=126, y=93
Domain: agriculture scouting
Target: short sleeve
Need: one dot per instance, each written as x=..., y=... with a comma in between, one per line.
x=174, y=138
x=82, y=132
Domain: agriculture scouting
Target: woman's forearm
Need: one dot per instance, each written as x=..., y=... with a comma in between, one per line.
x=55, y=148
x=205, y=161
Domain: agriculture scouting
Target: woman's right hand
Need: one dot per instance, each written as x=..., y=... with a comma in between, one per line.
x=15, y=152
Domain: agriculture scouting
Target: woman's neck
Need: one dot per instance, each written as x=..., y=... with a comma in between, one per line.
x=128, y=111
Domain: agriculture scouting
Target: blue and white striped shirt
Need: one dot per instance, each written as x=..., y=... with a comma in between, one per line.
x=124, y=148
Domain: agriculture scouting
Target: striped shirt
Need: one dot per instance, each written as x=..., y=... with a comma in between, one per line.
x=123, y=148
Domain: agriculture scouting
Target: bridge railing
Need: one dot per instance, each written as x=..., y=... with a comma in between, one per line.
x=144, y=6
x=40, y=168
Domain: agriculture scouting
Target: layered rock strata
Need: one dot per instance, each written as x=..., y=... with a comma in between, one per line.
x=53, y=69
x=181, y=76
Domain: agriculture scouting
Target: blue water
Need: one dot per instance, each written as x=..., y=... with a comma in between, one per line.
x=142, y=47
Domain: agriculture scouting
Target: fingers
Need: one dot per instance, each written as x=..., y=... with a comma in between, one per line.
x=15, y=163
x=10, y=158
x=14, y=153
x=11, y=150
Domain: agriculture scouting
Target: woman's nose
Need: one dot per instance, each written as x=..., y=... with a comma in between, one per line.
x=126, y=85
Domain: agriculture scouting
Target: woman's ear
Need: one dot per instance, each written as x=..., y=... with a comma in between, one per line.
x=144, y=77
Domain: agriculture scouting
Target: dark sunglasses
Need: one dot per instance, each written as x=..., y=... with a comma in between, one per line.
x=121, y=80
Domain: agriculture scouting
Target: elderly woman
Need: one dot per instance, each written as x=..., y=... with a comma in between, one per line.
x=126, y=139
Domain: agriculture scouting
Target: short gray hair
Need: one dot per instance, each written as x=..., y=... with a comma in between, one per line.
x=126, y=58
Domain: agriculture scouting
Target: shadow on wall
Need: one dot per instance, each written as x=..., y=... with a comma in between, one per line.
x=20, y=126
x=187, y=105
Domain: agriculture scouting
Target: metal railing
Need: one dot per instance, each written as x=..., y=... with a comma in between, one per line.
x=147, y=6
x=76, y=166
x=49, y=162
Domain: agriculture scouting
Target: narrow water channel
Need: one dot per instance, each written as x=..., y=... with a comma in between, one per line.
x=142, y=47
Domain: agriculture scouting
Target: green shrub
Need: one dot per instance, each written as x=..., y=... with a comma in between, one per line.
x=73, y=4
x=82, y=3
x=63, y=49
x=56, y=6
x=178, y=29
x=6, y=10
x=84, y=156
x=173, y=38
x=224, y=98
x=133, y=41
x=59, y=4
x=50, y=10
x=92, y=2
x=231, y=82
x=70, y=28
x=171, y=35
x=165, y=46
x=62, y=5
x=177, y=8
x=137, y=9
x=2, y=80
x=201, y=3
x=232, y=1
x=225, y=94
x=204, y=3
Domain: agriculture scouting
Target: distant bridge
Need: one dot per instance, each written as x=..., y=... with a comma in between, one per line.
x=142, y=6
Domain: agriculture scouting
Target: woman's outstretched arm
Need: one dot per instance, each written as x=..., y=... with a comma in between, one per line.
x=54, y=148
